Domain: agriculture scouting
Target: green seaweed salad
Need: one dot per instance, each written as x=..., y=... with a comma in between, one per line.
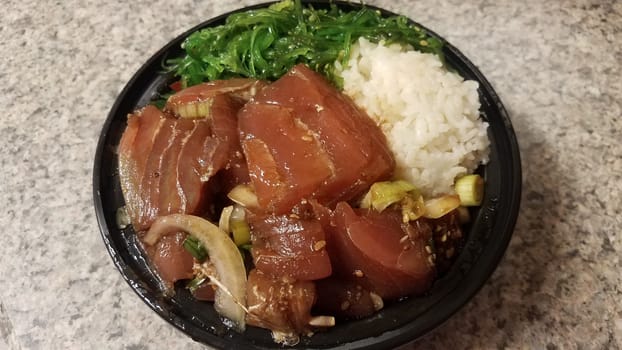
x=265, y=43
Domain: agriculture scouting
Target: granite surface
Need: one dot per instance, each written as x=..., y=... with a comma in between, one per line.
x=555, y=64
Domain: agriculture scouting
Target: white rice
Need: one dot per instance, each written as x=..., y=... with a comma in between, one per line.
x=429, y=115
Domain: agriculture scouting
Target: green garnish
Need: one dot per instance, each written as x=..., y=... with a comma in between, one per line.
x=241, y=232
x=245, y=247
x=196, y=283
x=194, y=247
x=265, y=43
x=384, y=193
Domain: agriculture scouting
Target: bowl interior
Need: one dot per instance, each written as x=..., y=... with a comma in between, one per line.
x=487, y=238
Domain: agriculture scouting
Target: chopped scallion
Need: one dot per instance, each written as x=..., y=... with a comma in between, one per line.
x=196, y=283
x=470, y=188
x=245, y=246
x=383, y=194
x=241, y=232
x=194, y=247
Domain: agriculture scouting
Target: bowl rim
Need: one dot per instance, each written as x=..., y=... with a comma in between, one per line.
x=455, y=298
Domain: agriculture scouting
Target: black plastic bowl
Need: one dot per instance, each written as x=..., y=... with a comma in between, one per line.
x=396, y=324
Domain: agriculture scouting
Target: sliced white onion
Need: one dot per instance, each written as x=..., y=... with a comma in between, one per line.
x=225, y=217
x=238, y=213
x=230, y=298
x=244, y=196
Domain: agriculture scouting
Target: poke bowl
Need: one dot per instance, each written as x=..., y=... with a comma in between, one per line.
x=487, y=232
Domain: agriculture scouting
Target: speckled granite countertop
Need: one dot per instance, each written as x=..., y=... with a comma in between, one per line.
x=556, y=65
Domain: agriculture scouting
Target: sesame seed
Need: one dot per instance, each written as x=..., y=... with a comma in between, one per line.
x=358, y=273
x=319, y=245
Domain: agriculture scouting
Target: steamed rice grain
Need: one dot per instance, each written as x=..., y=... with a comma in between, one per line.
x=430, y=115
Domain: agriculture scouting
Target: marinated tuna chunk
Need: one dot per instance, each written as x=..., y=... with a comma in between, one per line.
x=278, y=305
x=165, y=163
x=381, y=252
x=318, y=143
x=289, y=247
x=171, y=260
